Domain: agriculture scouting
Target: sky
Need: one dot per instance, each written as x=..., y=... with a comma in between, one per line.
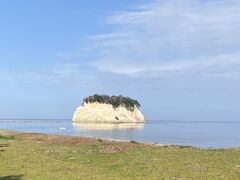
x=180, y=59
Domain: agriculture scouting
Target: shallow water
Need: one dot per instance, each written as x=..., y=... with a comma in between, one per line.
x=194, y=133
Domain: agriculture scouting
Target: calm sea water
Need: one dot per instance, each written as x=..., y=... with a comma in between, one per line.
x=194, y=133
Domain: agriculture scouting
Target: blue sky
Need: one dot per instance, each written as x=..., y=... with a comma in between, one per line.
x=179, y=58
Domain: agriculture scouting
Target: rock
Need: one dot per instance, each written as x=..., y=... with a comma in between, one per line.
x=94, y=112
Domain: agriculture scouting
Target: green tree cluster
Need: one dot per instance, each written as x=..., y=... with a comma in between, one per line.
x=115, y=101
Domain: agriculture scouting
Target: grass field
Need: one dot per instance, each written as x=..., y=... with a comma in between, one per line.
x=36, y=156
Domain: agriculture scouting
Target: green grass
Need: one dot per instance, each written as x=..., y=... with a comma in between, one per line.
x=21, y=159
x=134, y=142
x=7, y=137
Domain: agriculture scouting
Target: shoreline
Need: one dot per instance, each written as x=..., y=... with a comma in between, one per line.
x=62, y=139
x=6, y=132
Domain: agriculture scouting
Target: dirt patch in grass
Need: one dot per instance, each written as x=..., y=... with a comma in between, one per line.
x=115, y=147
x=54, y=138
x=104, y=146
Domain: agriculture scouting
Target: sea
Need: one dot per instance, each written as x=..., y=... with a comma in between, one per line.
x=204, y=134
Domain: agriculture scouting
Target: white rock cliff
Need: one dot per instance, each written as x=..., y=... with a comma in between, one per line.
x=105, y=113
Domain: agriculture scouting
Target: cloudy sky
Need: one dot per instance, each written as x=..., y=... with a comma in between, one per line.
x=179, y=58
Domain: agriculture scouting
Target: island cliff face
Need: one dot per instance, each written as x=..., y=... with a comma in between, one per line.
x=96, y=112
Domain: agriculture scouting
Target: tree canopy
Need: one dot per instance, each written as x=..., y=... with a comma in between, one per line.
x=115, y=101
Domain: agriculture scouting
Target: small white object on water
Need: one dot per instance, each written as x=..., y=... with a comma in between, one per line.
x=62, y=128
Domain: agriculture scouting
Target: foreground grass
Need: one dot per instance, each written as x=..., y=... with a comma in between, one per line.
x=44, y=157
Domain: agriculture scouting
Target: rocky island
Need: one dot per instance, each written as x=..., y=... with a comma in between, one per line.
x=108, y=109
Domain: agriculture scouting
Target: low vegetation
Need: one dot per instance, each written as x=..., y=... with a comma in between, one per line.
x=7, y=137
x=115, y=101
x=34, y=156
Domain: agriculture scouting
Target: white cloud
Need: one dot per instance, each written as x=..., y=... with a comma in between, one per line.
x=222, y=65
x=172, y=37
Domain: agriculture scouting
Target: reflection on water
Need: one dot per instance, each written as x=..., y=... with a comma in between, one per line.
x=107, y=126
